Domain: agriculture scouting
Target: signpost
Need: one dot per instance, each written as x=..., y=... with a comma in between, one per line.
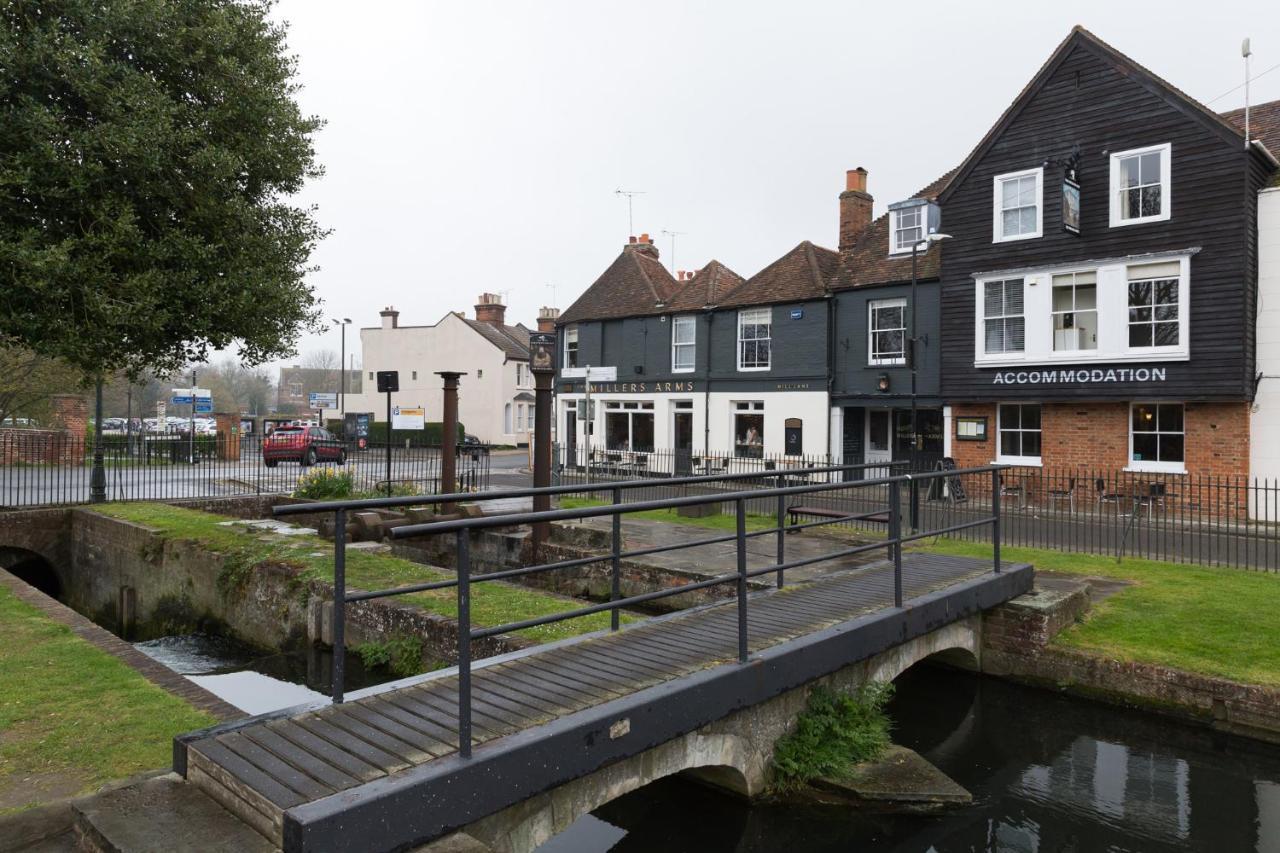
x=590, y=374
x=319, y=400
x=388, y=382
x=201, y=402
x=542, y=347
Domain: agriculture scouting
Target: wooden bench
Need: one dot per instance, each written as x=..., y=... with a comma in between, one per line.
x=795, y=511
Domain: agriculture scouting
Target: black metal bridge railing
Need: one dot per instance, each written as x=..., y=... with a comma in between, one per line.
x=893, y=487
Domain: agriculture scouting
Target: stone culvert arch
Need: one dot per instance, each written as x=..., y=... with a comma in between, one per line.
x=34, y=547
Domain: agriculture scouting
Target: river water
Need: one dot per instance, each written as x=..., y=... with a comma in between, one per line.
x=1048, y=773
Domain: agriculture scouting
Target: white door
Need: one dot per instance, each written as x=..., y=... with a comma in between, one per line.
x=879, y=437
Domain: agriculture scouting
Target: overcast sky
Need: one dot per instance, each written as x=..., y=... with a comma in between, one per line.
x=475, y=146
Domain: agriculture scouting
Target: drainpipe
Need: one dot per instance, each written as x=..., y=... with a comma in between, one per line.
x=831, y=369
x=706, y=390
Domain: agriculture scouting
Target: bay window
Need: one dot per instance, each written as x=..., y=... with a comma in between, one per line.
x=683, y=343
x=1140, y=182
x=754, y=332
x=1017, y=207
x=887, y=331
x=748, y=429
x=1157, y=437
x=1019, y=427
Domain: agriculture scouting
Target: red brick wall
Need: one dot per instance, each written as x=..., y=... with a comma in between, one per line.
x=1095, y=437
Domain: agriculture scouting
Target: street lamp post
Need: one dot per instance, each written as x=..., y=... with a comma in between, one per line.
x=912, y=340
x=342, y=371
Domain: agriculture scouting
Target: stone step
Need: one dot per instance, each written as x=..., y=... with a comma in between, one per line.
x=162, y=815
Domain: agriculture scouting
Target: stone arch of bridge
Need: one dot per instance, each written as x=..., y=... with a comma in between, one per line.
x=32, y=567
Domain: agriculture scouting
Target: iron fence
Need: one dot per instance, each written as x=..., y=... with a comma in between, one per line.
x=895, y=490
x=51, y=468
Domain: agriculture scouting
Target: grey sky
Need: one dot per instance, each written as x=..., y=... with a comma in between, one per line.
x=475, y=146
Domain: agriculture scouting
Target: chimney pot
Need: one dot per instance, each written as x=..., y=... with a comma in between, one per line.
x=547, y=319
x=489, y=309
x=631, y=239
x=856, y=180
x=390, y=317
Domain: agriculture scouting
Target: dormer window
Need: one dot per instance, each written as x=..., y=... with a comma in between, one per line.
x=1017, y=210
x=1140, y=185
x=906, y=228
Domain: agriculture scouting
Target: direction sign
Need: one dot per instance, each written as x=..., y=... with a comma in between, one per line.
x=204, y=408
x=180, y=399
x=592, y=374
x=322, y=400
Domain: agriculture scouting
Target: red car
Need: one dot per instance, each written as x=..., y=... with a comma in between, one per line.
x=304, y=445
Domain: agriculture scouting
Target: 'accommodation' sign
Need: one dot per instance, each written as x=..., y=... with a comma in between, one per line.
x=1082, y=376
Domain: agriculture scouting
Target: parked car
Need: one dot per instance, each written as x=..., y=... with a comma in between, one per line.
x=473, y=446
x=304, y=445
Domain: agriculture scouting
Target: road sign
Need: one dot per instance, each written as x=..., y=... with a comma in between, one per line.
x=181, y=399
x=592, y=374
x=409, y=417
x=322, y=400
x=204, y=408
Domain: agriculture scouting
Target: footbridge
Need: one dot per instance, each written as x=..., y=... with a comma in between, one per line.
x=512, y=749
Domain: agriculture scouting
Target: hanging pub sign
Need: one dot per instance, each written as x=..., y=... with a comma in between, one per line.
x=1070, y=206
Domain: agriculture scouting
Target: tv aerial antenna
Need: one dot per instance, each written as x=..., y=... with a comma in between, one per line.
x=673, y=235
x=630, y=194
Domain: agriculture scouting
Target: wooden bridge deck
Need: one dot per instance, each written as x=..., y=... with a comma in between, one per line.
x=309, y=778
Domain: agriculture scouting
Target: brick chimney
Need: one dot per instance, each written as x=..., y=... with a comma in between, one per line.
x=390, y=317
x=855, y=207
x=644, y=246
x=547, y=319
x=490, y=309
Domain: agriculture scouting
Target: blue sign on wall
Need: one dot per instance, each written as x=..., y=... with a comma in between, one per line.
x=797, y=313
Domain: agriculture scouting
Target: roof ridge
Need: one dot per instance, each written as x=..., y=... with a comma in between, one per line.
x=812, y=258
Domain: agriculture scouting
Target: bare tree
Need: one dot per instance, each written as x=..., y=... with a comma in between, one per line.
x=29, y=381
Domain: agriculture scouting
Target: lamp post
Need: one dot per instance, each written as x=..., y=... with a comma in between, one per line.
x=342, y=372
x=915, y=248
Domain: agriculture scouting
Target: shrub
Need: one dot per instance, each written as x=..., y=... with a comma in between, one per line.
x=400, y=655
x=835, y=732
x=325, y=483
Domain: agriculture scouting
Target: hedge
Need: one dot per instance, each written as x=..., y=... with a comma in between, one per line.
x=378, y=433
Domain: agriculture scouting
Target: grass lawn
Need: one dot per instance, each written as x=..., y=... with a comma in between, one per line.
x=73, y=717
x=722, y=522
x=1214, y=621
x=492, y=603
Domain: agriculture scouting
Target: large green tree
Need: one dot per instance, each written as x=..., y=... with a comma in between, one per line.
x=148, y=153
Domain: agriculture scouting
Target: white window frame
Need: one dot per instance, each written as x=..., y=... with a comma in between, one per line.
x=872, y=305
x=1113, y=315
x=629, y=409
x=1184, y=306
x=691, y=345
x=1166, y=185
x=570, y=337
x=980, y=311
x=529, y=413
x=894, y=216
x=1152, y=466
x=745, y=407
x=997, y=211
x=1026, y=461
x=767, y=313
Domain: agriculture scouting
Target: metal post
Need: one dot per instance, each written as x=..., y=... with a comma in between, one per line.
x=742, y=579
x=995, y=518
x=192, y=435
x=388, y=444
x=781, y=534
x=615, y=583
x=464, y=643
x=895, y=538
x=339, y=602
x=911, y=354
x=543, y=380
x=98, y=478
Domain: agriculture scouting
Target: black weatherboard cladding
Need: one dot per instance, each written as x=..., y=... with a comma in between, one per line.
x=1102, y=105
x=854, y=374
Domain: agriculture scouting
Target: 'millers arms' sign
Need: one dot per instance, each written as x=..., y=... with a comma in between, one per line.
x=1079, y=376
x=639, y=387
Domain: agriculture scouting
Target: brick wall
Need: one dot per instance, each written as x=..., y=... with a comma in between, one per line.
x=1095, y=437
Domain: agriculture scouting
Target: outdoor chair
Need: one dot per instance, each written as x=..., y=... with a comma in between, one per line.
x=1104, y=496
x=1068, y=494
x=1018, y=489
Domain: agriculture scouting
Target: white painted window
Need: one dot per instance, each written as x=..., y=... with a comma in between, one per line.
x=1017, y=207
x=1075, y=311
x=1003, y=322
x=906, y=228
x=1140, y=185
x=748, y=429
x=570, y=346
x=529, y=413
x=1116, y=311
x=1018, y=425
x=523, y=377
x=506, y=419
x=887, y=331
x=684, y=331
x=754, y=333
x=628, y=426
x=1157, y=437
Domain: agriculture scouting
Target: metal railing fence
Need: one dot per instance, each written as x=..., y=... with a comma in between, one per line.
x=49, y=468
x=783, y=498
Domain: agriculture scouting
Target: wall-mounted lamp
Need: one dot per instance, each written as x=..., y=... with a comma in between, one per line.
x=882, y=382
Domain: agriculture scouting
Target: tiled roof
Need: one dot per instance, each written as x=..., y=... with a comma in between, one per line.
x=1264, y=126
x=633, y=286
x=801, y=273
x=868, y=260
x=512, y=340
x=707, y=287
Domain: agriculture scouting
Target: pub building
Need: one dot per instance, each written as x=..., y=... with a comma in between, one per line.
x=1100, y=287
x=707, y=364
